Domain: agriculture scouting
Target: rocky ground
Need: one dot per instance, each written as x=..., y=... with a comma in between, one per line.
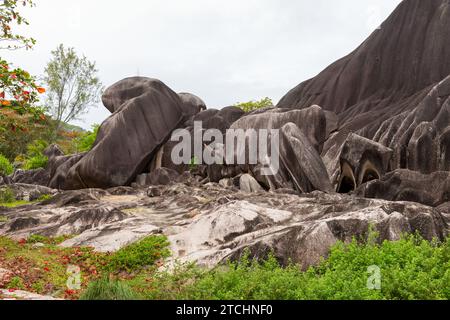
x=207, y=223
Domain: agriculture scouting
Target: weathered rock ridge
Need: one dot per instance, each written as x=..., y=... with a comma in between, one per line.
x=394, y=89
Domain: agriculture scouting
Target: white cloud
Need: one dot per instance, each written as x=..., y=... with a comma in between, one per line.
x=223, y=51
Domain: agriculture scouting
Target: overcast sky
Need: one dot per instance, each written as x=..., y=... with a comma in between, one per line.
x=224, y=51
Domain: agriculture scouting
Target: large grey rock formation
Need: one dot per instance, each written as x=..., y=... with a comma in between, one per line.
x=405, y=185
x=145, y=112
x=311, y=121
x=395, y=88
x=355, y=161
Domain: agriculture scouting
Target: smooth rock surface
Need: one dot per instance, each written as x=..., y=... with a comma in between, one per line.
x=128, y=139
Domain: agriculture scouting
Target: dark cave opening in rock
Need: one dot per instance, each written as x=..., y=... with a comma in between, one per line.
x=370, y=175
x=347, y=185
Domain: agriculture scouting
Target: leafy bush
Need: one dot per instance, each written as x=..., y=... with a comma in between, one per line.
x=255, y=105
x=19, y=128
x=411, y=269
x=36, y=162
x=16, y=283
x=6, y=167
x=34, y=158
x=107, y=289
x=87, y=140
x=140, y=254
x=6, y=195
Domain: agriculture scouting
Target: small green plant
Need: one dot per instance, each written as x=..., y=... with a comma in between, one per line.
x=87, y=140
x=7, y=195
x=16, y=283
x=36, y=238
x=45, y=197
x=144, y=253
x=36, y=162
x=255, y=105
x=108, y=289
x=193, y=163
x=6, y=168
x=34, y=158
x=3, y=219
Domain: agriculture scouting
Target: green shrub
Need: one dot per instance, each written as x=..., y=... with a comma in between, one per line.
x=16, y=283
x=107, y=289
x=87, y=140
x=7, y=195
x=45, y=197
x=193, y=163
x=411, y=269
x=18, y=128
x=255, y=105
x=36, y=162
x=140, y=254
x=34, y=158
x=6, y=168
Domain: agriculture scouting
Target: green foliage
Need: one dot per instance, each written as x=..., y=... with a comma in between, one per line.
x=36, y=162
x=73, y=85
x=108, y=289
x=19, y=128
x=255, y=105
x=10, y=20
x=36, y=238
x=86, y=141
x=193, y=163
x=18, y=89
x=45, y=197
x=14, y=204
x=141, y=254
x=16, y=283
x=34, y=158
x=411, y=269
x=6, y=167
x=8, y=199
x=7, y=195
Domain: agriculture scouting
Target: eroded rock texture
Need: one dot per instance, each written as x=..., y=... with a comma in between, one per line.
x=209, y=224
x=394, y=89
x=145, y=112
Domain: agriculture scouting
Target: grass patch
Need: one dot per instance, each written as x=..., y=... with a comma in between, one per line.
x=8, y=200
x=108, y=289
x=15, y=204
x=139, y=255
